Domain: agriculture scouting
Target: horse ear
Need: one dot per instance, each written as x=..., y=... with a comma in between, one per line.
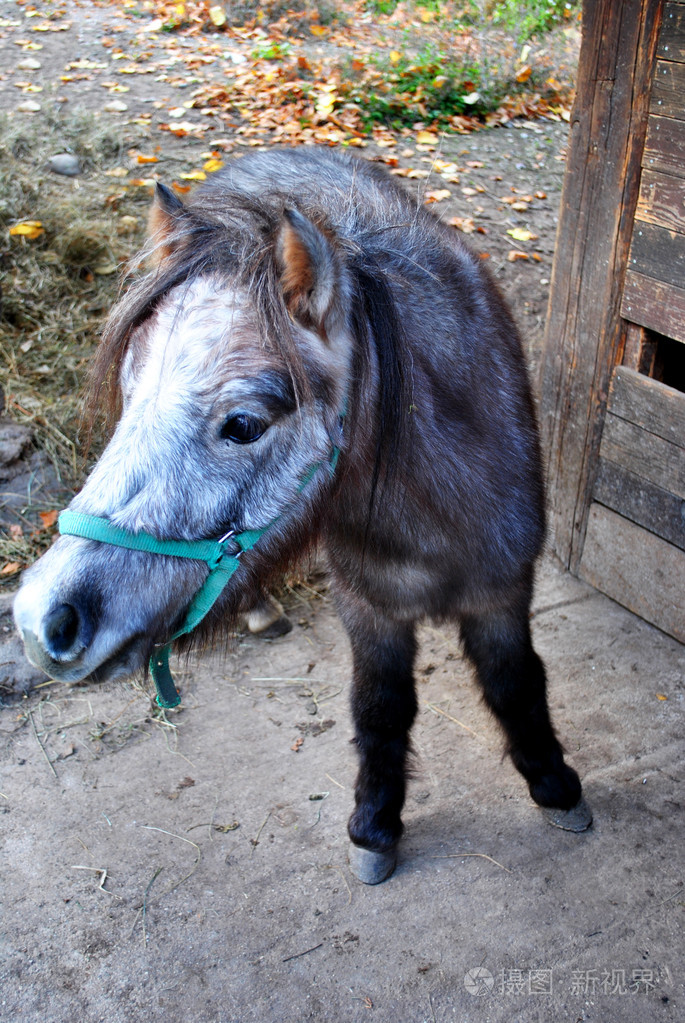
x=163, y=217
x=310, y=271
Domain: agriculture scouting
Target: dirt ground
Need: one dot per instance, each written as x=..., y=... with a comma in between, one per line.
x=193, y=866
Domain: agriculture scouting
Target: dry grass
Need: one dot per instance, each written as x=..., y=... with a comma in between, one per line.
x=57, y=288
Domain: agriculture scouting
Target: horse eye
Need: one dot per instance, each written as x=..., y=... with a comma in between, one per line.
x=242, y=429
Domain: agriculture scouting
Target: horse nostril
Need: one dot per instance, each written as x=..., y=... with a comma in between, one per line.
x=62, y=631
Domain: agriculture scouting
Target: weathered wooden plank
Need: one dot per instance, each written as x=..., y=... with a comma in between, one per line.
x=583, y=334
x=643, y=453
x=654, y=406
x=672, y=37
x=665, y=146
x=641, y=502
x=637, y=569
x=656, y=305
x=668, y=90
x=662, y=200
x=658, y=253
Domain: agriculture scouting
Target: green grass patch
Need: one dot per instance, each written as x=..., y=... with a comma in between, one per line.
x=527, y=18
x=430, y=87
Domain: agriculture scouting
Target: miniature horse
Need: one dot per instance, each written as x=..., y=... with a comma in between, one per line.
x=314, y=358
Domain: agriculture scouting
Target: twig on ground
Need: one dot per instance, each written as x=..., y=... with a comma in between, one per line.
x=298, y=955
x=42, y=747
x=438, y=710
x=255, y=841
x=460, y=856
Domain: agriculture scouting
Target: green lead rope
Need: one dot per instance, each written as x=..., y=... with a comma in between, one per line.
x=215, y=553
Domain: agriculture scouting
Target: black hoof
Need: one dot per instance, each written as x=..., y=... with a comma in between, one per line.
x=578, y=818
x=371, y=867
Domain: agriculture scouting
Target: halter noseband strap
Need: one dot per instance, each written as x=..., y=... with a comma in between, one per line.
x=222, y=558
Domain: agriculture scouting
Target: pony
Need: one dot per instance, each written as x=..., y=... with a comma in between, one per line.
x=308, y=358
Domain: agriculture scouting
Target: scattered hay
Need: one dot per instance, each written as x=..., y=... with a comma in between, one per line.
x=57, y=287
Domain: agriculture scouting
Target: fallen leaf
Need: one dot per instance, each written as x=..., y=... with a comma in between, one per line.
x=516, y=254
x=10, y=568
x=196, y=175
x=437, y=195
x=524, y=74
x=48, y=518
x=15, y=530
x=465, y=224
x=521, y=234
x=519, y=206
x=142, y=158
x=660, y=696
x=318, y=30
x=426, y=138
x=296, y=745
x=395, y=56
x=28, y=229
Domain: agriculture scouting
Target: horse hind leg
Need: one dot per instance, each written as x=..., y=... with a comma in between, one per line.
x=512, y=678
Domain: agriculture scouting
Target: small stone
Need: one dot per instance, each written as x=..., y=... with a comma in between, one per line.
x=64, y=163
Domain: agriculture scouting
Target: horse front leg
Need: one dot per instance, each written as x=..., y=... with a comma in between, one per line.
x=383, y=709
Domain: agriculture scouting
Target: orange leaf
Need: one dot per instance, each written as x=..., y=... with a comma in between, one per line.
x=318, y=30
x=515, y=254
x=10, y=568
x=437, y=195
x=465, y=224
x=524, y=74
x=28, y=229
x=146, y=159
x=48, y=518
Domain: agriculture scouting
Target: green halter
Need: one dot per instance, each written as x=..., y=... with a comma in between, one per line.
x=222, y=558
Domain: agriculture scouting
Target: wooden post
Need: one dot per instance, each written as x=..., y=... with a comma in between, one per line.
x=583, y=335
